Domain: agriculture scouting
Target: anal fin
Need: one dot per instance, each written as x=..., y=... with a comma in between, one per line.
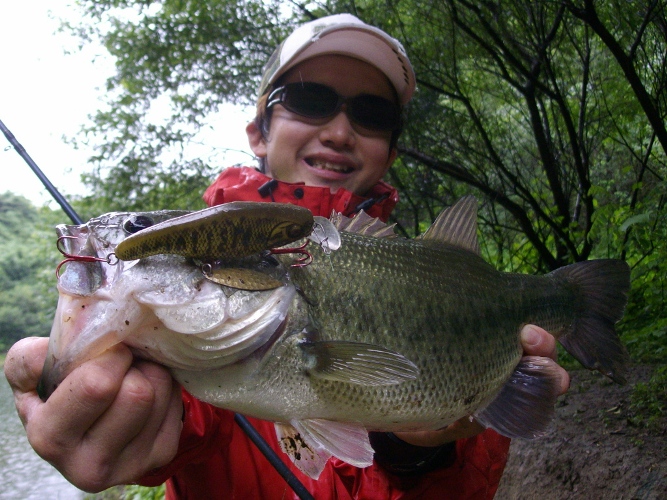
x=310, y=443
x=308, y=458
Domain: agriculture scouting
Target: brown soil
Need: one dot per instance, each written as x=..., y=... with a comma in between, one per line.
x=593, y=450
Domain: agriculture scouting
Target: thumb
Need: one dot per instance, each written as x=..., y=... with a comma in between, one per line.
x=24, y=363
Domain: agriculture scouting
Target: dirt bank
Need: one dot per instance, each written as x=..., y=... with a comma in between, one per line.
x=593, y=450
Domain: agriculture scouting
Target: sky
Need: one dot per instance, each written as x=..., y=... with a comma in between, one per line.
x=49, y=88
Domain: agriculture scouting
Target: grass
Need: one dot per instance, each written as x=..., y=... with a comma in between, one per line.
x=648, y=403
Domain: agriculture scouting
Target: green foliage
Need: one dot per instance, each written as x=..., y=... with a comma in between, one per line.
x=15, y=216
x=175, y=58
x=129, y=492
x=649, y=400
x=27, y=262
x=634, y=228
x=135, y=492
x=552, y=113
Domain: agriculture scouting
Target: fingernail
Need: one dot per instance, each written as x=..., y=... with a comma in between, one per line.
x=529, y=335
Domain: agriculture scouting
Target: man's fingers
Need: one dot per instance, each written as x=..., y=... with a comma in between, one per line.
x=564, y=381
x=124, y=418
x=538, y=342
x=109, y=421
x=24, y=362
x=23, y=367
x=164, y=427
x=140, y=430
x=79, y=401
x=160, y=434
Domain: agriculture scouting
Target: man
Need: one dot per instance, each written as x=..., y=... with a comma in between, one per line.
x=329, y=115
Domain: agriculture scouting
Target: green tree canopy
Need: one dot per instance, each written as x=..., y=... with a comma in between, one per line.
x=28, y=259
x=552, y=112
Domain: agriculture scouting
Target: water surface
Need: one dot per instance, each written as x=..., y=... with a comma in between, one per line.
x=25, y=476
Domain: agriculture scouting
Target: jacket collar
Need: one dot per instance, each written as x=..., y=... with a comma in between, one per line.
x=248, y=184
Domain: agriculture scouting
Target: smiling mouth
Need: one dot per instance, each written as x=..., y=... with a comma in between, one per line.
x=333, y=167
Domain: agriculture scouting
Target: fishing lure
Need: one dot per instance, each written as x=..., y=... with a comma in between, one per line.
x=229, y=231
x=219, y=237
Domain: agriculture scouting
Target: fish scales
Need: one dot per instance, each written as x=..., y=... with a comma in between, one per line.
x=375, y=333
x=445, y=336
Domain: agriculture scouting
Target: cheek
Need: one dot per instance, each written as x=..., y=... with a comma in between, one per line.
x=282, y=149
x=288, y=135
x=377, y=154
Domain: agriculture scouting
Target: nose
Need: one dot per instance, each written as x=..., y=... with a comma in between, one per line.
x=338, y=132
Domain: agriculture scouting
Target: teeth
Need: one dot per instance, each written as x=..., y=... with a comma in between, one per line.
x=330, y=166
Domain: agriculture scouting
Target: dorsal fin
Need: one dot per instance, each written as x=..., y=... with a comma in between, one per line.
x=457, y=225
x=363, y=224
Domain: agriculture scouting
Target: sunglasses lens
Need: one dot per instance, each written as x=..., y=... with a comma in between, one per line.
x=314, y=100
x=310, y=99
x=374, y=112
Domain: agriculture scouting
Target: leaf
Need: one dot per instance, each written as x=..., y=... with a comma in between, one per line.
x=635, y=219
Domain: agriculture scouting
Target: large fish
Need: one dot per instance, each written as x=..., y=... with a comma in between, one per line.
x=375, y=333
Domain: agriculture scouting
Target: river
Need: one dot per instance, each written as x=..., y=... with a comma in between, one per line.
x=24, y=475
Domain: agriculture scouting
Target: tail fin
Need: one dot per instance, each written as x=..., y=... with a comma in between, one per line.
x=601, y=292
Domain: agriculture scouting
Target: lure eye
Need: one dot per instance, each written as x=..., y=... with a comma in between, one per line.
x=136, y=223
x=295, y=231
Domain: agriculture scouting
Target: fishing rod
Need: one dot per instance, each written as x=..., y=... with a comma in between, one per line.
x=241, y=420
x=67, y=208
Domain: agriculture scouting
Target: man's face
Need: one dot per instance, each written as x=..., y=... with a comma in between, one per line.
x=331, y=152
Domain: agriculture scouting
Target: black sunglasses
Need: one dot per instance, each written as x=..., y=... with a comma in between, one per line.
x=314, y=100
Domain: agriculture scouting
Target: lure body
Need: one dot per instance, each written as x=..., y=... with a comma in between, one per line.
x=229, y=231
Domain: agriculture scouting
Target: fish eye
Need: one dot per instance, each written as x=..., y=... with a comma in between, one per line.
x=136, y=223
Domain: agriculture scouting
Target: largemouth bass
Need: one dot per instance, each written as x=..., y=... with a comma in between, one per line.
x=375, y=334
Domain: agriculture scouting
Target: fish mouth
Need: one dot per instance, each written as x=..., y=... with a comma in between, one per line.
x=339, y=168
x=83, y=328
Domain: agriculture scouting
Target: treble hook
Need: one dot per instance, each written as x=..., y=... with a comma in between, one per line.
x=77, y=258
x=303, y=261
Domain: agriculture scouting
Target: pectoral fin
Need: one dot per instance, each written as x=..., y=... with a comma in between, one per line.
x=310, y=443
x=524, y=408
x=357, y=363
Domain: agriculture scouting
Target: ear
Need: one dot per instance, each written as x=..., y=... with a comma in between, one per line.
x=256, y=140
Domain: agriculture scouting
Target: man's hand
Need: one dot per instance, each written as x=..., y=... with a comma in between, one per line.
x=535, y=342
x=109, y=422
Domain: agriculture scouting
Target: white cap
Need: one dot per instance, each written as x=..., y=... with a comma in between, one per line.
x=343, y=34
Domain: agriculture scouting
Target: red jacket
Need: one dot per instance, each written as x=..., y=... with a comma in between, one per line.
x=215, y=459
x=245, y=184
